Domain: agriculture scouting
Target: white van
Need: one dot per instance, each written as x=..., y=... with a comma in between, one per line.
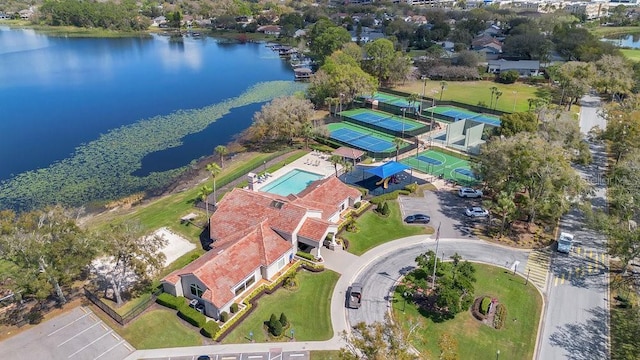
x=565, y=241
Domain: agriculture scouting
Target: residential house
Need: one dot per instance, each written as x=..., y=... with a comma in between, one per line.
x=157, y=21
x=269, y=30
x=255, y=235
x=299, y=33
x=524, y=67
x=26, y=14
x=591, y=10
x=367, y=35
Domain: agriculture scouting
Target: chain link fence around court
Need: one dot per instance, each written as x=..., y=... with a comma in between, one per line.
x=385, y=123
x=129, y=315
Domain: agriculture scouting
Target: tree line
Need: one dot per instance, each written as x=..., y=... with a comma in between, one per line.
x=121, y=16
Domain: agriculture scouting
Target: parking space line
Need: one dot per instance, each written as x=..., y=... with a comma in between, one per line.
x=69, y=324
x=78, y=334
x=109, y=349
x=296, y=355
x=89, y=344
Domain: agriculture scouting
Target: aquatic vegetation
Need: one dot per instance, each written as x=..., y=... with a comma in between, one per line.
x=100, y=170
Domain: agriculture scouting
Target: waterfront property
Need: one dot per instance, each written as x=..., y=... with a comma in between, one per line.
x=255, y=235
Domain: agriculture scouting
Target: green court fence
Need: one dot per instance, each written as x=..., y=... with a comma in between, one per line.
x=401, y=134
x=428, y=101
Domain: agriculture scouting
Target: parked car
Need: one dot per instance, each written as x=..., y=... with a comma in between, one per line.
x=565, y=242
x=469, y=192
x=476, y=211
x=354, y=296
x=417, y=219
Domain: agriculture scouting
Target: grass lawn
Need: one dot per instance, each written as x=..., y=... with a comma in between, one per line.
x=631, y=54
x=160, y=329
x=324, y=355
x=515, y=341
x=472, y=92
x=602, y=31
x=307, y=308
x=376, y=230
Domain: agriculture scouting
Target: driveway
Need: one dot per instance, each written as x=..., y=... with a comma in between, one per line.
x=445, y=208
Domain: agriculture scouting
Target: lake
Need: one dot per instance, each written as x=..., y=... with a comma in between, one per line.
x=626, y=41
x=58, y=94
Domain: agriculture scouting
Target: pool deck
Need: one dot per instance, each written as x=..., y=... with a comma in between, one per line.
x=314, y=162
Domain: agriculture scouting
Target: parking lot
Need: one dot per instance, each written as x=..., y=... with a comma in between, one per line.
x=78, y=334
x=444, y=207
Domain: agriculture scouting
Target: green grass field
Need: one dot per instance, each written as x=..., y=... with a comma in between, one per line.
x=324, y=355
x=308, y=309
x=473, y=92
x=631, y=54
x=602, y=31
x=376, y=230
x=160, y=329
x=515, y=341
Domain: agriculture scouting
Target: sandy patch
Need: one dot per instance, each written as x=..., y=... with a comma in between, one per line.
x=176, y=245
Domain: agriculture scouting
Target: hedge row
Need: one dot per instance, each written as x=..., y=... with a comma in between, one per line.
x=500, y=316
x=306, y=255
x=388, y=196
x=170, y=301
x=210, y=329
x=192, y=316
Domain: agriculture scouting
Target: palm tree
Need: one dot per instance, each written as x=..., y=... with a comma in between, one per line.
x=412, y=99
x=498, y=94
x=398, y=142
x=221, y=150
x=335, y=160
x=443, y=85
x=214, y=169
x=203, y=193
x=306, y=132
x=494, y=90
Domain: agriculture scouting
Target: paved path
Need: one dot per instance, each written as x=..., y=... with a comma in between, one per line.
x=576, y=325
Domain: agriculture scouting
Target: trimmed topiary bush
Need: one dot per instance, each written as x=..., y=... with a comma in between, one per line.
x=413, y=187
x=224, y=316
x=283, y=320
x=170, y=301
x=500, y=316
x=484, y=305
x=357, y=205
x=210, y=329
x=276, y=330
x=305, y=255
x=234, y=308
x=192, y=316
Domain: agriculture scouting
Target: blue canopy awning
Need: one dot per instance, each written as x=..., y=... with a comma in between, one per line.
x=388, y=169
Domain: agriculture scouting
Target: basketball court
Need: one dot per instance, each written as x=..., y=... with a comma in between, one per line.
x=443, y=165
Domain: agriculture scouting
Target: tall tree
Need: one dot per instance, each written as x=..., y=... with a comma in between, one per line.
x=379, y=55
x=203, y=194
x=398, y=142
x=511, y=124
x=443, y=85
x=377, y=341
x=221, y=151
x=623, y=126
x=49, y=249
x=615, y=76
x=131, y=252
x=214, y=169
x=336, y=160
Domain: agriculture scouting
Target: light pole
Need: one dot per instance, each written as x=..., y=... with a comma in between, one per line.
x=515, y=97
x=291, y=334
x=251, y=336
x=264, y=164
x=424, y=89
x=404, y=306
x=498, y=355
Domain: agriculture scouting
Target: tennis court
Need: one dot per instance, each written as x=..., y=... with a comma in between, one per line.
x=361, y=137
x=392, y=99
x=437, y=163
x=382, y=119
x=456, y=114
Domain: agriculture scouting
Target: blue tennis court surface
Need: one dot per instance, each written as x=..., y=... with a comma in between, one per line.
x=487, y=120
x=465, y=172
x=429, y=160
x=387, y=122
x=361, y=140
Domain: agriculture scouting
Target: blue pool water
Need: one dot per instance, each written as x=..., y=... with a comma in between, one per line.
x=292, y=182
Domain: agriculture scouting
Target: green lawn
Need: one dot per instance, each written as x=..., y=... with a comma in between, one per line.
x=515, y=341
x=602, y=31
x=307, y=308
x=324, y=355
x=472, y=92
x=376, y=230
x=160, y=329
x=631, y=54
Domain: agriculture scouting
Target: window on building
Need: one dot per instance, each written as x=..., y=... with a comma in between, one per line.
x=246, y=284
x=281, y=263
x=196, y=290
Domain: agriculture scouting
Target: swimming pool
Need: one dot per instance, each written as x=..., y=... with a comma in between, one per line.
x=292, y=182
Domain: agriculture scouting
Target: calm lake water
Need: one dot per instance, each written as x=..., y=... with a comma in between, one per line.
x=627, y=41
x=58, y=93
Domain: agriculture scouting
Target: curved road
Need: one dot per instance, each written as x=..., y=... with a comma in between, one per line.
x=379, y=276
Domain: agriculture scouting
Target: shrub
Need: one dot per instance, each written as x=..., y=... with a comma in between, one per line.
x=276, y=330
x=384, y=210
x=357, y=205
x=224, y=316
x=305, y=255
x=210, y=329
x=283, y=320
x=234, y=308
x=508, y=77
x=413, y=187
x=484, y=305
x=192, y=316
x=34, y=317
x=170, y=301
x=500, y=316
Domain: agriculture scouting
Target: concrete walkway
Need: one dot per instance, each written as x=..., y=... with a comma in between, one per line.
x=343, y=262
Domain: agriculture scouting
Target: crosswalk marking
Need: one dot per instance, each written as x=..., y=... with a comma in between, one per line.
x=537, y=268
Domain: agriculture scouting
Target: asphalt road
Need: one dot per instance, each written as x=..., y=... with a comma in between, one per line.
x=379, y=277
x=576, y=321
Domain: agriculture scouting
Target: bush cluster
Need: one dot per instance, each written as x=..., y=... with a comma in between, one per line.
x=412, y=188
x=234, y=308
x=170, y=301
x=383, y=209
x=357, y=205
x=484, y=305
x=191, y=315
x=224, y=316
x=210, y=329
x=275, y=326
x=500, y=316
x=305, y=255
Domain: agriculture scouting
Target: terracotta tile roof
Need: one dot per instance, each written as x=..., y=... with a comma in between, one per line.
x=330, y=191
x=314, y=229
x=242, y=209
x=221, y=269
